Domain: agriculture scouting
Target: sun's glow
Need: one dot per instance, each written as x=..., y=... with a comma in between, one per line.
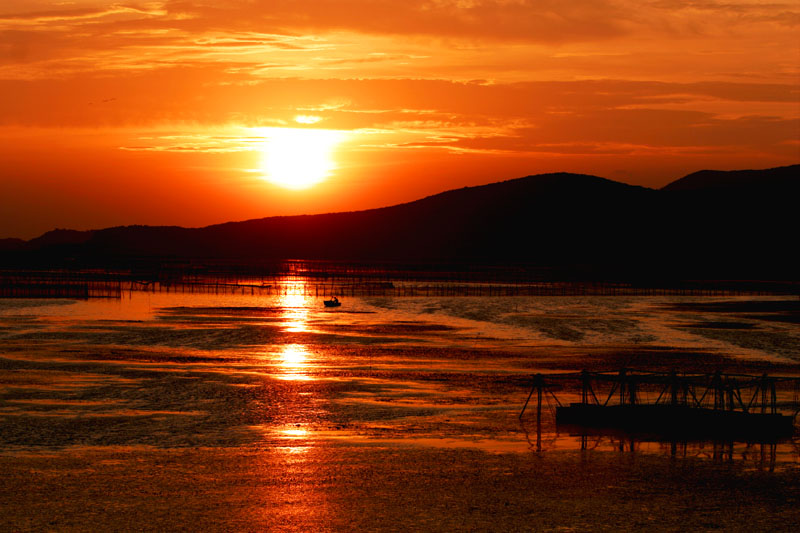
x=297, y=158
x=307, y=119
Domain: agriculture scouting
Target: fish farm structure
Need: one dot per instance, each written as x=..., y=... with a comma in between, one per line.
x=672, y=405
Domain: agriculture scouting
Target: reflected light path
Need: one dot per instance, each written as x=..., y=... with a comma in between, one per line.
x=294, y=433
x=296, y=502
x=294, y=305
x=294, y=361
x=295, y=440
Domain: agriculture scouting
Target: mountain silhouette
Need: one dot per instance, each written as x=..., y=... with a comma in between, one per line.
x=732, y=224
x=739, y=182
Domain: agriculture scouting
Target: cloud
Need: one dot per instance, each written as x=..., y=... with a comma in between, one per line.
x=193, y=94
x=500, y=40
x=589, y=117
x=571, y=76
x=39, y=18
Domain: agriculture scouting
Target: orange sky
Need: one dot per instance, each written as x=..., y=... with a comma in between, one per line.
x=180, y=112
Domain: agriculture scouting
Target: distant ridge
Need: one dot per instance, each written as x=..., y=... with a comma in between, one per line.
x=12, y=245
x=770, y=180
x=691, y=227
x=58, y=237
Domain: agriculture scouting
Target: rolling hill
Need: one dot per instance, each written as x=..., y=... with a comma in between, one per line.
x=721, y=223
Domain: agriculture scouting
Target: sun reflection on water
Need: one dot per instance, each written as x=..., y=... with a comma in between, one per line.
x=294, y=359
x=294, y=433
x=295, y=305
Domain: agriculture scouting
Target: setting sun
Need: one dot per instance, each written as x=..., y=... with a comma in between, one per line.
x=297, y=158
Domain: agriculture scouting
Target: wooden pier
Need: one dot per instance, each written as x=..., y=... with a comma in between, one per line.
x=686, y=406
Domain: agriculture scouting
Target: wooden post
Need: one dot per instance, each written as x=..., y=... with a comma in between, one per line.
x=673, y=388
x=584, y=387
x=774, y=397
x=538, y=385
x=716, y=385
x=539, y=407
x=729, y=390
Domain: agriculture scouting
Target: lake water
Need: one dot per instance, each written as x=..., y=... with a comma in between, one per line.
x=165, y=374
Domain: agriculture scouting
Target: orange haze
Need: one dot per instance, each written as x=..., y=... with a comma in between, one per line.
x=159, y=112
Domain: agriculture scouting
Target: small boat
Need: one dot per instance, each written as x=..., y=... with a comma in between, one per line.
x=333, y=302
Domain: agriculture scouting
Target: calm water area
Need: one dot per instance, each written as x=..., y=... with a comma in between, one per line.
x=242, y=412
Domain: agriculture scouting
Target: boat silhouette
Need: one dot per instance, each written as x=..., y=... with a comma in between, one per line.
x=333, y=302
